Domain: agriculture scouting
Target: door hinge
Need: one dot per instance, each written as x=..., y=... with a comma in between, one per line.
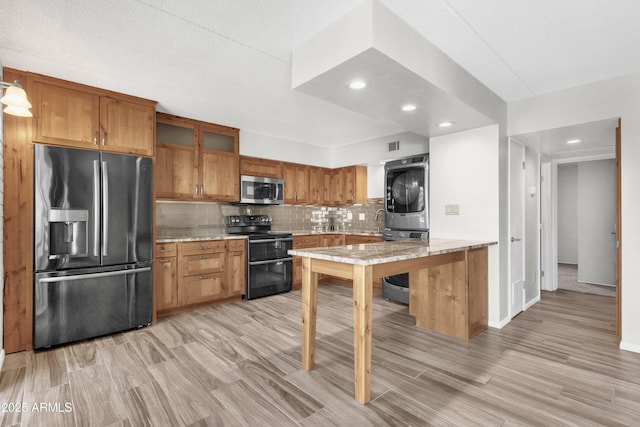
x=541, y=273
x=523, y=165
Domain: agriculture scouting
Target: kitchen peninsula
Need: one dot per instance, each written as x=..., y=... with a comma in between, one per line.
x=448, y=282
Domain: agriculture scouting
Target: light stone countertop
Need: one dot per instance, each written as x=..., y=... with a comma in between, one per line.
x=178, y=239
x=350, y=233
x=383, y=252
x=225, y=236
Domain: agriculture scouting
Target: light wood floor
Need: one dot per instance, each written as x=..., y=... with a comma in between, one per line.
x=239, y=364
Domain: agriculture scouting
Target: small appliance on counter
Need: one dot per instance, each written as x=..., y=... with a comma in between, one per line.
x=406, y=213
x=93, y=216
x=269, y=265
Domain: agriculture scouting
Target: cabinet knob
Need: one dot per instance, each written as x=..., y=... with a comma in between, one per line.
x=205, y=256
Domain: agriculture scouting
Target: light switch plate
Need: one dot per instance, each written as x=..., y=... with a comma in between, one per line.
x=452, y=209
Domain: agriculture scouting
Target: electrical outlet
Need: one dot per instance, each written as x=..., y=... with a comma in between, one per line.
x=361, y=216
x=452, y=209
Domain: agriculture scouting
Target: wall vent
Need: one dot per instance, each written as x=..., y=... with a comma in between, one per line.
x=394, y=146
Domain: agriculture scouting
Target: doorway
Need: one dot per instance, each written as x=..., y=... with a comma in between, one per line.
x=598, y=140
x=586, y=218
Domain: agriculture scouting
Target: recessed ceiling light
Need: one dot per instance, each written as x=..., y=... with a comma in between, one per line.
x=445, y=124
x=408, y=107
x=574, y=141
x=358, y=84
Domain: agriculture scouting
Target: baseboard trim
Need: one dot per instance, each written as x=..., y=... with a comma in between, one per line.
x=532, y=302
x=501, y=324
x=630, y=347
x=1, y=359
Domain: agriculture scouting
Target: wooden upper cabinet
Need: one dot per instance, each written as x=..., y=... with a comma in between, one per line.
x=296, y=183
x=353, y=185
x=316, y=184
x=196, y=160
x=220, y=177
x=53, y=110
x=126, y=127
x=80, y=116
x=219, y=163
x=254, y=166
x=176, y=168
x=332, y=188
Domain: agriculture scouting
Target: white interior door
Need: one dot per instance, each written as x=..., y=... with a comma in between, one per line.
x=597, y=222
x=516, y=227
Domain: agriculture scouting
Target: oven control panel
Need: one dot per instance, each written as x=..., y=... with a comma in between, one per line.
x=248, y=220
x=392, y=235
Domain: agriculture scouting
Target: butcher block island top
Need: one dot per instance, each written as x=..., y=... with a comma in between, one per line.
x=448, y=290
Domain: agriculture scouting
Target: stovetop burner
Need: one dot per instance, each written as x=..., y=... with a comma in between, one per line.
x=254, y=226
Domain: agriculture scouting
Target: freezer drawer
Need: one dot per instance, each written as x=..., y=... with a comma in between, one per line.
x=72, y=307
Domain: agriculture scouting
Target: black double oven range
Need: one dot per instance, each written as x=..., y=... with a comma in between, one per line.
x=269, y=266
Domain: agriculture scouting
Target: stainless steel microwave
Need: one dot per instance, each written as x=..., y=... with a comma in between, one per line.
x=257, y=190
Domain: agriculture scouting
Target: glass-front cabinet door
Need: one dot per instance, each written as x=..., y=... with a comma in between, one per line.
x=196, y=160
x=220, y=163
x=176, y=159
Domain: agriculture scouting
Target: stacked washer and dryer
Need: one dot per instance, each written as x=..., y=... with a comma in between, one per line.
x=406, y=213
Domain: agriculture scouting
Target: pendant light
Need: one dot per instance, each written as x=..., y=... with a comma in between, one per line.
x=15, y=99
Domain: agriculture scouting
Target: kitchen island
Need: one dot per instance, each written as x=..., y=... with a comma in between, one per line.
x=448, y=282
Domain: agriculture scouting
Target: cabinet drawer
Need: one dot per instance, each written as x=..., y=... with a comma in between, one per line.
x=356, y=239
x=164, y=250
x=202, y=264
x=308, y=241
x=204, y=247
x=236, y=245
x=201, y=288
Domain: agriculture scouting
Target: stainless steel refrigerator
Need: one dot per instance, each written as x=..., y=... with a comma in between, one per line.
x=92, y=244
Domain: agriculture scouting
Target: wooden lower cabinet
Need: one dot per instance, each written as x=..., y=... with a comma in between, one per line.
x=201, y=288
x=190, y=274
x=332, y=240
x=165, y=276
x=302, y=242
x=353, y=239
x=329, y=239
x=236, y=267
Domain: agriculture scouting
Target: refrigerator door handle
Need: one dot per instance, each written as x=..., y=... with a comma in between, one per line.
x=92, y=275
x=105, y=208
x=96, y=208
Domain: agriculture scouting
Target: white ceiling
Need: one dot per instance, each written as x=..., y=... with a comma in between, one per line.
x=229, y=61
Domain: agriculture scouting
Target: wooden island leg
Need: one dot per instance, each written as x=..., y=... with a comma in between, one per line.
x=309, y=309
x=362, y=300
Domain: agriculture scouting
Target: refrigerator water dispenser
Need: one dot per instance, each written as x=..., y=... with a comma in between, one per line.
x=68, y=235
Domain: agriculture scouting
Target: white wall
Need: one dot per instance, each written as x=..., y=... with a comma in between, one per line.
x=568, y=213
x=274, y=148
x=619, y=97
x=464, y=170
x=370, y=152
x=377, y=150
x=375, y=181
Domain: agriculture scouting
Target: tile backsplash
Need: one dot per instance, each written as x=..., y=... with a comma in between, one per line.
x=201, y=219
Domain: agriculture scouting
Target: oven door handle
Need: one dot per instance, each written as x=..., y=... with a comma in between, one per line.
x=276, y=239
x=270, y=261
